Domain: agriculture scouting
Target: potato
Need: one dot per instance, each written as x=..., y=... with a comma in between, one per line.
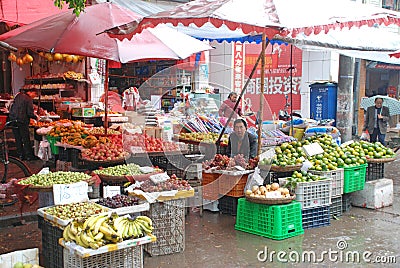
x=248, y=192
x=254, y=188
x=274, y=186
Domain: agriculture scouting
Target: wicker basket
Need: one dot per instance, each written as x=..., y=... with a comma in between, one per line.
x=285, y=168
x=381, y=160
x=109, y=162
x=271, y=201
x=126, y=178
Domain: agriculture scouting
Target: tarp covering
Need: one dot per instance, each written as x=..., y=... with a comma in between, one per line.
x=23, y=12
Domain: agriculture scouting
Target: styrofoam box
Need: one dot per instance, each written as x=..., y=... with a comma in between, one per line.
x=376, y=194
x=25, y=256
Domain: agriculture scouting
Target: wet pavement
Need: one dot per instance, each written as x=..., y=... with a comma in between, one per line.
x=212, y=241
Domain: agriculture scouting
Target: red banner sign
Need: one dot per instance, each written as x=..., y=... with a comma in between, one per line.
x=277, y=79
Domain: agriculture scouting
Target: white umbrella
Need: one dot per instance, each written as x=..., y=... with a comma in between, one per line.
x=391, y=103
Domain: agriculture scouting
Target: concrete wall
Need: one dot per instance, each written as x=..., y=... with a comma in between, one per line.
x=316, y=66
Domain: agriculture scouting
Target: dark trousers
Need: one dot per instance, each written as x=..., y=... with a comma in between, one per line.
x=376, y=134
x=22, y=140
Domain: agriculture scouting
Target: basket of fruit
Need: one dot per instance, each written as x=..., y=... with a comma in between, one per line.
x=109, y=160
x=124, y=173
x=286, y=168
x=380, y=160
x=270, y=194
x=44, y=182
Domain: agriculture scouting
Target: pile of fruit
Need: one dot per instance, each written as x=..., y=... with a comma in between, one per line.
x=101, y=131
x=301, y=176
x=100, y=230
x=26, y=265
x=26, y=59
x=172, y=184
x=289, y=154
x=58, y=177
x=118, y=201
x=369, y=150
x=107, y=149
x=148, y=144
x=73, y=75
x=204, y=137
x=75, y=130
x=75, y=210
x=224, y=162
x=120, y=170
x=268, y=191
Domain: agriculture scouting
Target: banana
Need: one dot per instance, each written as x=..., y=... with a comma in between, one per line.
x=122, y=229
x=117, y=222
x=130, y=229
x=89, y=221
x=133, y=229
x=84, y=239
x=95, y=228
x=74, y=228
x=145, y=218
x=78, y=240
x=138, y=228
x=98, y=236
x=66, y=233
x=107, y=230
x=94, y=245
x=147, y=228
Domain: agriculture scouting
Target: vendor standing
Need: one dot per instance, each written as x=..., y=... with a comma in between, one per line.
x=227, y=107
x=22, y=111
x=241, y=141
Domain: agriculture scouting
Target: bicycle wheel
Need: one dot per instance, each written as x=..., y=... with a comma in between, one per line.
x=15, y=169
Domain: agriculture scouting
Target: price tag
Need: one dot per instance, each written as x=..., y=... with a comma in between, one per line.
x=313, y=149
x=158, y=178
x=146, y=169
x=110, y=191
x=45, y=170
x=70, y=193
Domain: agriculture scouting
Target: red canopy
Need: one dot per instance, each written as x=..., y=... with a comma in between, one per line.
x=26, y=11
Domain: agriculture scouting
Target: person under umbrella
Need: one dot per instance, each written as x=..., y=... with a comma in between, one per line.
x=376, y=121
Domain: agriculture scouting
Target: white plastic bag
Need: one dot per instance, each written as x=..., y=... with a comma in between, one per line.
x=254, y=179
x=364, y=136
x=44, y=150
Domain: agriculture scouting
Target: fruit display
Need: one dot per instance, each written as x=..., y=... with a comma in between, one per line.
x=25, y=59
x=370, y=150
x=70, y=130
x=268, y=191
x=26, y=265
x=118, y=201
x=101, y=131
x=148, y=143
x=100, y=230
x=53, y=123
x=301, y=176
x=120, y=170
x=58, y=177
x=289, y=154
x=73, y=75
x=172, y=184
x=108, y=149
x=204, y=137
x=75, y=210
x=224, y=162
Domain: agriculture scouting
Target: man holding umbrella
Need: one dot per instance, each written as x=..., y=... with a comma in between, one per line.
x=376, y=121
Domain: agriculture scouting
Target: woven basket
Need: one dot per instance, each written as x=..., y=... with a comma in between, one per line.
x=271, y=201
x=285, y=168
x=97, y=162
x=126, y=178
x=381, y=160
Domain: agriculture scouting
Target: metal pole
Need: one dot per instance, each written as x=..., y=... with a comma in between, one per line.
x=291, y=89
x=260, y=119
x=106, y=99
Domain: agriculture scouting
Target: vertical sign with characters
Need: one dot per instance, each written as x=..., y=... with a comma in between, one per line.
x=238, y=70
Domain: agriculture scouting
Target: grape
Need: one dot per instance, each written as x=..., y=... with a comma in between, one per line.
x=118, y=201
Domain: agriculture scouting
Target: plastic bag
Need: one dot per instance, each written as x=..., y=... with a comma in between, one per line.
x=254, y=179
x=44, y=150
x=364, y=136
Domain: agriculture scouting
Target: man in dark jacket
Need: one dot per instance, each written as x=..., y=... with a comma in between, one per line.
x=22, y=111
x=376, y=121
x=241, y=141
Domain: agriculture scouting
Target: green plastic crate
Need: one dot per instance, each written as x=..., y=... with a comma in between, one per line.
x=272, y=221
x=354, y=178
x=52, y=140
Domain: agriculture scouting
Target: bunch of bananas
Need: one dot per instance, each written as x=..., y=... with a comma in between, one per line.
x=99, y=230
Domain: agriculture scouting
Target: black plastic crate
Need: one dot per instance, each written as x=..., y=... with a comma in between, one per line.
x=52, y=251
x=375, y=171
x=336, y=207
x=274, y=176
x=316, y=217
x=228, y=205
x=346, y=202
x=64, y=154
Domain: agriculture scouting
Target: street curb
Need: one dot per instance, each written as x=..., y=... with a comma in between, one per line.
x=17, y=219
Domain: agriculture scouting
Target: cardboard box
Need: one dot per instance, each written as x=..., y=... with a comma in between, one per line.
x=89, y=112
x=154, y=132
x=376, y=194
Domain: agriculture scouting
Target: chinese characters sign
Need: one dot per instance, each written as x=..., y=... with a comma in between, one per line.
x=238, y=64
x=277, y=79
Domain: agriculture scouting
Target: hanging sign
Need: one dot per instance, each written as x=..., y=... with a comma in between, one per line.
x=238, y=67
